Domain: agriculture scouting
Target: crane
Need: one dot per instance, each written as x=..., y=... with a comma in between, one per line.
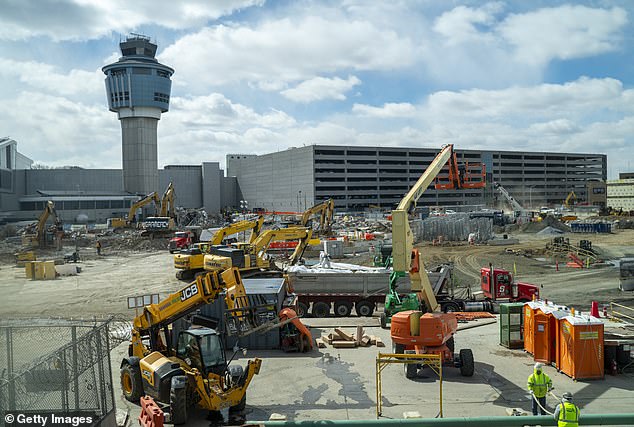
x=520, y=213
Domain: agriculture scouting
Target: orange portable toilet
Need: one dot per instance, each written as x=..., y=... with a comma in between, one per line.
x=580, y=347
x=540, y=329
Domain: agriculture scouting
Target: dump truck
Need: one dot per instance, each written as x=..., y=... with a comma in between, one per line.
x=321, y=292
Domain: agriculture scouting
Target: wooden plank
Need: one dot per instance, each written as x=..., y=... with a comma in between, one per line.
x=320, y=343
x=365, y=341
x=343, y=335
x=373, y=339
x=359, y=334
x=379, y=342
x=343, y=344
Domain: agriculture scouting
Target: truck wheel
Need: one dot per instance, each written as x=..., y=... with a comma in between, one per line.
x=383, y=320
x=131, y=383
x=450, y=307
x=364, y=308
x=178, y=400
x=411, y=369
x=302, y=309
x=321, y=309
x=343, y=309
x=466, y=362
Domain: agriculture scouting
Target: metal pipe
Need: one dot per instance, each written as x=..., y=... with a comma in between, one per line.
x=584, y=420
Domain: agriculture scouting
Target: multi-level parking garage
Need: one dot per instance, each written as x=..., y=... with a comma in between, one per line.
x=361, y=177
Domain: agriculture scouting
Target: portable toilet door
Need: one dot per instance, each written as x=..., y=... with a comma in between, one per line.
x=529, y=333
x=543, y=338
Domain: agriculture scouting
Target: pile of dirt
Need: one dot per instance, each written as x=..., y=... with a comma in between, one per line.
x=133, y=243
x=549, y=221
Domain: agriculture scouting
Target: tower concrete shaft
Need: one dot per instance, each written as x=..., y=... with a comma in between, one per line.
x=138, y=89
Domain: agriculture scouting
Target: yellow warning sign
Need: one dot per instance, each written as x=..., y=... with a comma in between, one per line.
x=592, y=335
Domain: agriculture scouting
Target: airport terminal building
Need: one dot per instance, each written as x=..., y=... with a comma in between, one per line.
x=359, y=178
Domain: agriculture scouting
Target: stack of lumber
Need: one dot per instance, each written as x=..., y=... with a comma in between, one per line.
x=340, y=339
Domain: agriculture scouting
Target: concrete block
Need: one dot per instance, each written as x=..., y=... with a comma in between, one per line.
x=277, y=417
x=411, y=414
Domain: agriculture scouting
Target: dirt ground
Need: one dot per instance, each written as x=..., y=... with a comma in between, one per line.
x=105, y=282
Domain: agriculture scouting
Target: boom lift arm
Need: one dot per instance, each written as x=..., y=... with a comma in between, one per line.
x=404, y=257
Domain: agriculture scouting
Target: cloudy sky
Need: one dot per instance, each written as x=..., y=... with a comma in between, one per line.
x=255, y=76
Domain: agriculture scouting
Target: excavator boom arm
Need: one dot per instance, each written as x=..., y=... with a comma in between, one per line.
x=152, y=197
x=239, y=227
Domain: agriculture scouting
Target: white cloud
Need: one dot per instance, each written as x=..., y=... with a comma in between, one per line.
x=563, y=32
x=285, y=50
x=321, y=88
x=47, y=78
x=217, y=112
x=554, y=127
x=579, y=97
x=403, y=109
x=461, y=23
x=87, y=19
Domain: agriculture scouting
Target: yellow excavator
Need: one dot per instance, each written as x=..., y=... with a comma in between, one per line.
x=37, y=238
x=251, y=258
x=194, y=370
x=571, y=200
x=167, y=202
x=127, y=222
x=325, y=211
x=189, y=262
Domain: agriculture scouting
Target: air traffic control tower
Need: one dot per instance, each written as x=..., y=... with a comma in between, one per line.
x=138, y=89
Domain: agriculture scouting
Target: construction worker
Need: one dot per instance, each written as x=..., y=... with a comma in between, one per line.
x=98, y=246
x=539, y=384
x=567, y=413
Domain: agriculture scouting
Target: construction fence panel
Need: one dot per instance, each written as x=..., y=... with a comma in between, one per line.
x=456, y=227
x=62, y=368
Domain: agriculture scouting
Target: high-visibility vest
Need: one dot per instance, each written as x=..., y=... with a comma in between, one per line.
x=539, y=384
x=568, y=415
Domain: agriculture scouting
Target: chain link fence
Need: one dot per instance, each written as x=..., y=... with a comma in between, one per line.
x=60, y=366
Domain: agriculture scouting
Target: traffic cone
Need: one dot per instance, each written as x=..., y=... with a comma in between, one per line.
x=594, y=310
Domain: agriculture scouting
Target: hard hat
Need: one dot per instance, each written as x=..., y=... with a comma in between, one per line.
x=567, y=395
x=538, y=365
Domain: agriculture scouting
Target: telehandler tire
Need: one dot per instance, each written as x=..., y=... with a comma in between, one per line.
x=178, y=400
x=131, y=383
x=467, y=365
